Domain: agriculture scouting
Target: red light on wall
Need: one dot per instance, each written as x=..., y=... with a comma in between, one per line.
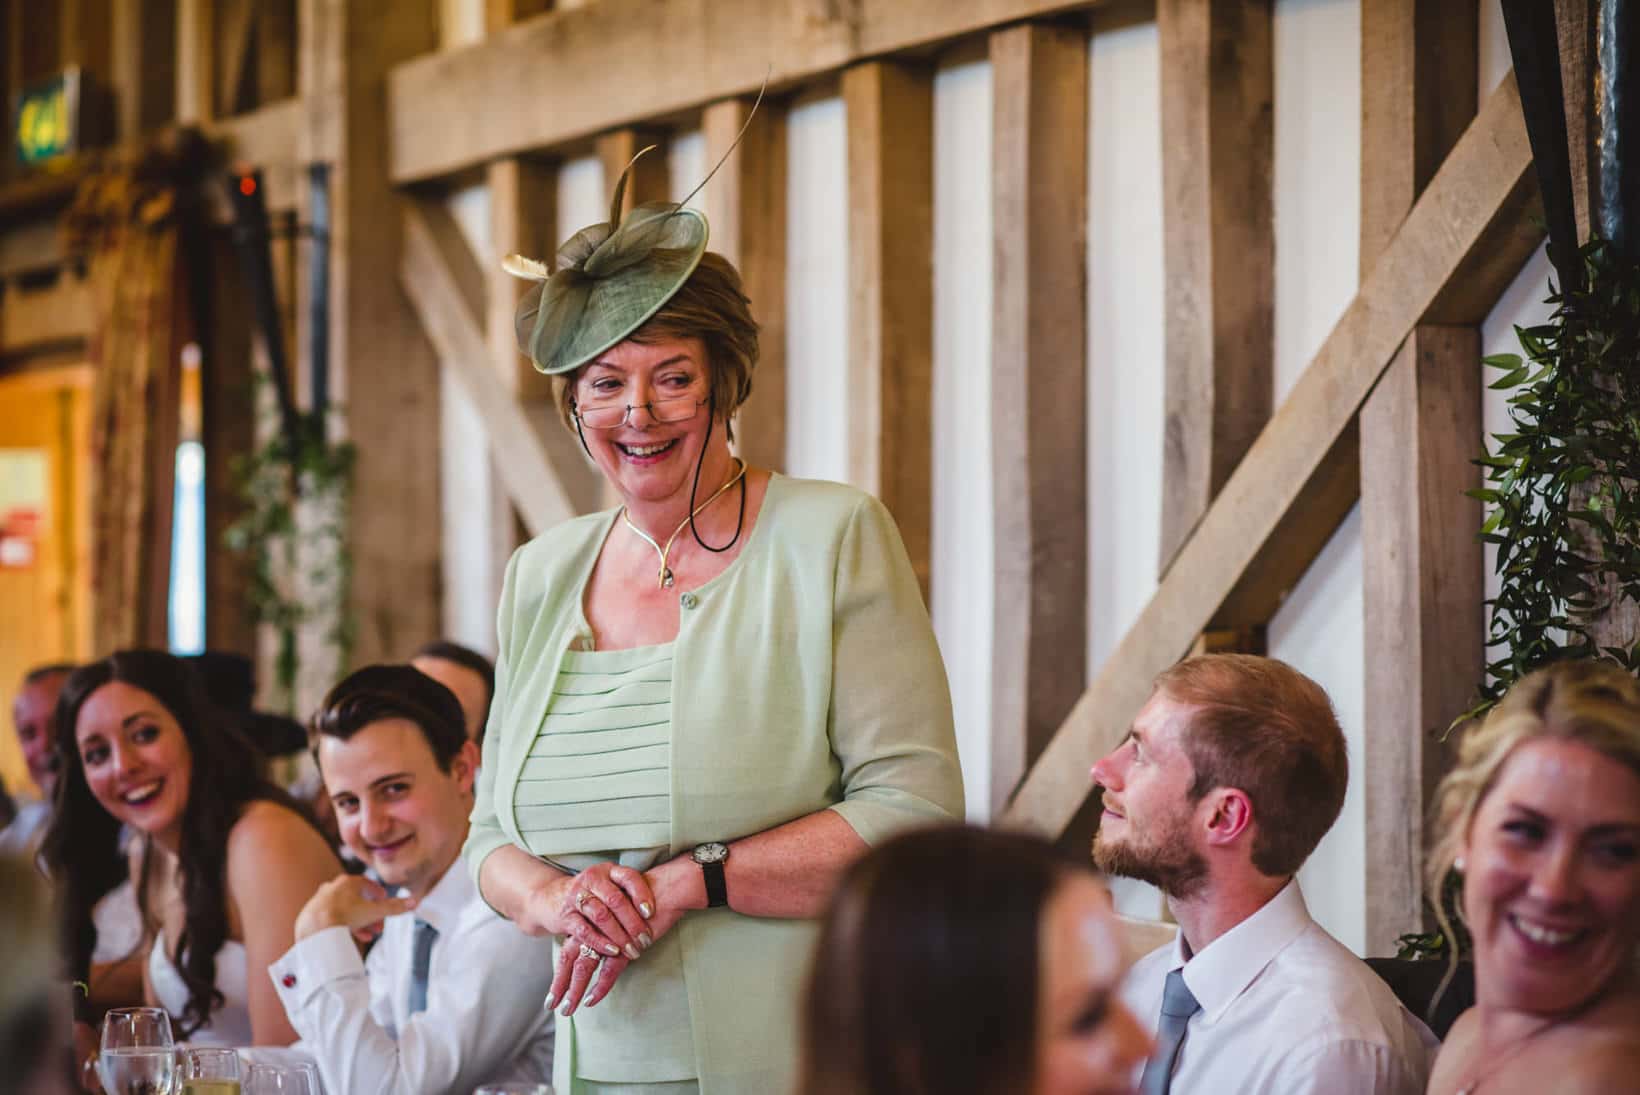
x=247, y=185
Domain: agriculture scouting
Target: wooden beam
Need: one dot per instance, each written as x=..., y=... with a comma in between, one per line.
x=1575, y=32
x=649, y=181
x=1472, y=225
x=746, y=207
x=1219, y=246
x=524, y=221
x=228, y=433
x=439, y=275
x=196, y=61
x=383, y=370
x=890, y=108
x=1419, y=431
x=499, y=14
x=1422, y=583
x=675, y=57
x=275, y=51
x=143, y=65
x=1038, y=390
x=236, y=28
x=268, y=138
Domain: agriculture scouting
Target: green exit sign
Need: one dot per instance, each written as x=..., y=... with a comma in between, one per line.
x=47, y=121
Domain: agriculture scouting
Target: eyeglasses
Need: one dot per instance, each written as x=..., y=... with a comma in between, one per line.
x=610, y=416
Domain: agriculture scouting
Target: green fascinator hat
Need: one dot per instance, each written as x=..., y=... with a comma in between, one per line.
x=610, y=279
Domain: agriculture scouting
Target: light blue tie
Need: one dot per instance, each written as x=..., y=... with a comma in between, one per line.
x=420, y=957
x=1178, y=1005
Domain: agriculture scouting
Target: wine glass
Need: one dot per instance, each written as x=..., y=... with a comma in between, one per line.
x=205, y=1071
x=137, y=1057
x=281, y=1080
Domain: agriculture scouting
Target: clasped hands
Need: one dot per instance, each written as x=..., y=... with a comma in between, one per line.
x=609, y=909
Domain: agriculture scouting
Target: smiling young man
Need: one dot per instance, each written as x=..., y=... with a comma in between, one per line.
x=451, y=995
x=1230, y=776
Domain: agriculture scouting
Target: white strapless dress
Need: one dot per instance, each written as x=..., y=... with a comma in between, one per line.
x=230, y=1024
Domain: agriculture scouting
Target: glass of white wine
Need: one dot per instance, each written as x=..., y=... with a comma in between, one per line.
x=205, y=1071
x=281, y=1080
x=137, y=1056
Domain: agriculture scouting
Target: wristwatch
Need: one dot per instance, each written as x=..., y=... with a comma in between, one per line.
x=711, y=857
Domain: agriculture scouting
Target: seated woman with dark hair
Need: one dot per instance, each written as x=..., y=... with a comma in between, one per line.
x=1541, y=820
x=959, y=961
x=225, y=859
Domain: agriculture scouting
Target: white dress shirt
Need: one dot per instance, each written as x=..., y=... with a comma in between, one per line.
x=485, y=1020
x=1285, y=1009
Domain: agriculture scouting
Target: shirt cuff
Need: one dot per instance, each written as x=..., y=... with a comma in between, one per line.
x=325, y=956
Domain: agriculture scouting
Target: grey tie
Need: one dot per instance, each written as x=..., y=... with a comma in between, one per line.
x=423, y=952
x=1178, y=1005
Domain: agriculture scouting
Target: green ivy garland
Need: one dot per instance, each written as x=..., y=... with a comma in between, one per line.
x=1564, y=491
x=294, y=529
x=1564, y=486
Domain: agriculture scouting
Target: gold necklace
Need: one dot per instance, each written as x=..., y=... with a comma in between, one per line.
x=665, y=576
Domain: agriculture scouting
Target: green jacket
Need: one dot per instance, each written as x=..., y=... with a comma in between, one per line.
x=805, y=676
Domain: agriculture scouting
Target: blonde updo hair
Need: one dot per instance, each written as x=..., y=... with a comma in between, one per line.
x=713, y=307
x=1594, y=703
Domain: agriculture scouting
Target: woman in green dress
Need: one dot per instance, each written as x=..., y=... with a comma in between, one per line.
x=709, y=700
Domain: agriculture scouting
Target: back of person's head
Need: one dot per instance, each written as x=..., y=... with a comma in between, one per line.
x=1593, y=703
x=443, y=650
x=379, y=692
x=927, y=974
x=1261, y=726
x=31, y=1034
x=81, y=849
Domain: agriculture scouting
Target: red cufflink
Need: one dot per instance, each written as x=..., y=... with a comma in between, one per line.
x=289, y=980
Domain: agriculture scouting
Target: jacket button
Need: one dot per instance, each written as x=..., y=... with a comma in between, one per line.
x=688, y=600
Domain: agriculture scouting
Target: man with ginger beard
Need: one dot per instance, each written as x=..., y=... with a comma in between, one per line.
x=1230, y=776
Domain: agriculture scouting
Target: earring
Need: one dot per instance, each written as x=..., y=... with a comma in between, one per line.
x=1457, y=864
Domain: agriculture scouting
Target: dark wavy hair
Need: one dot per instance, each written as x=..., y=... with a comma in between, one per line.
x=919, y=929
x=81, y=848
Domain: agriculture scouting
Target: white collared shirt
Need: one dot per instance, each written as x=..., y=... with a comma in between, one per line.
x=485, y=1020
x=1285, y=1009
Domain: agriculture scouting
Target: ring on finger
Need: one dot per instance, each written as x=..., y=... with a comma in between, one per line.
x=582, y=897
x=588, y=952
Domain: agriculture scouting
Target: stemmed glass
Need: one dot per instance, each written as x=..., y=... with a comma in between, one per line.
x=208, y=1071
x=137, y=1056
x=282, y=1080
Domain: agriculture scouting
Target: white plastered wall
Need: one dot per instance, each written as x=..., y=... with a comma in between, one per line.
x=1317, y=181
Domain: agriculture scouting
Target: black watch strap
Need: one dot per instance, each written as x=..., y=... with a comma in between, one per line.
x=717, y=890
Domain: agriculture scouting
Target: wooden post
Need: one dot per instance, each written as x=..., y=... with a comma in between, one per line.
x=142, y=66
x=275, y=50
x=746, y=207
x=1219, y=242
x=890, y=108
x=1575, y=31
x=649, y=181
x=1420, y=430
x=196, y=61
x=1460, y=246
x=385, y=374
x=1038, y=391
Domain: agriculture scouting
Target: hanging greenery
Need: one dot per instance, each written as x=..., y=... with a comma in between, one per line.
x=296, y=494
x=1564, y=485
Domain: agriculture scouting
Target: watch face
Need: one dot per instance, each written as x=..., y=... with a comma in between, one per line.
x=711, y=853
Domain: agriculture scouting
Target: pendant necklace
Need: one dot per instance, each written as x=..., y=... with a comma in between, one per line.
x=665, y=575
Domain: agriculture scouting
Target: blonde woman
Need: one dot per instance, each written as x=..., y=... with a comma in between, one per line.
x=1541, y=819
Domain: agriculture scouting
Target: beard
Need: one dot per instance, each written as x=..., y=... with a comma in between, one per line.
x=1169, y=862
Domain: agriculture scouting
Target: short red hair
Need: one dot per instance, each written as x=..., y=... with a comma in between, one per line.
x=1264, y=728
